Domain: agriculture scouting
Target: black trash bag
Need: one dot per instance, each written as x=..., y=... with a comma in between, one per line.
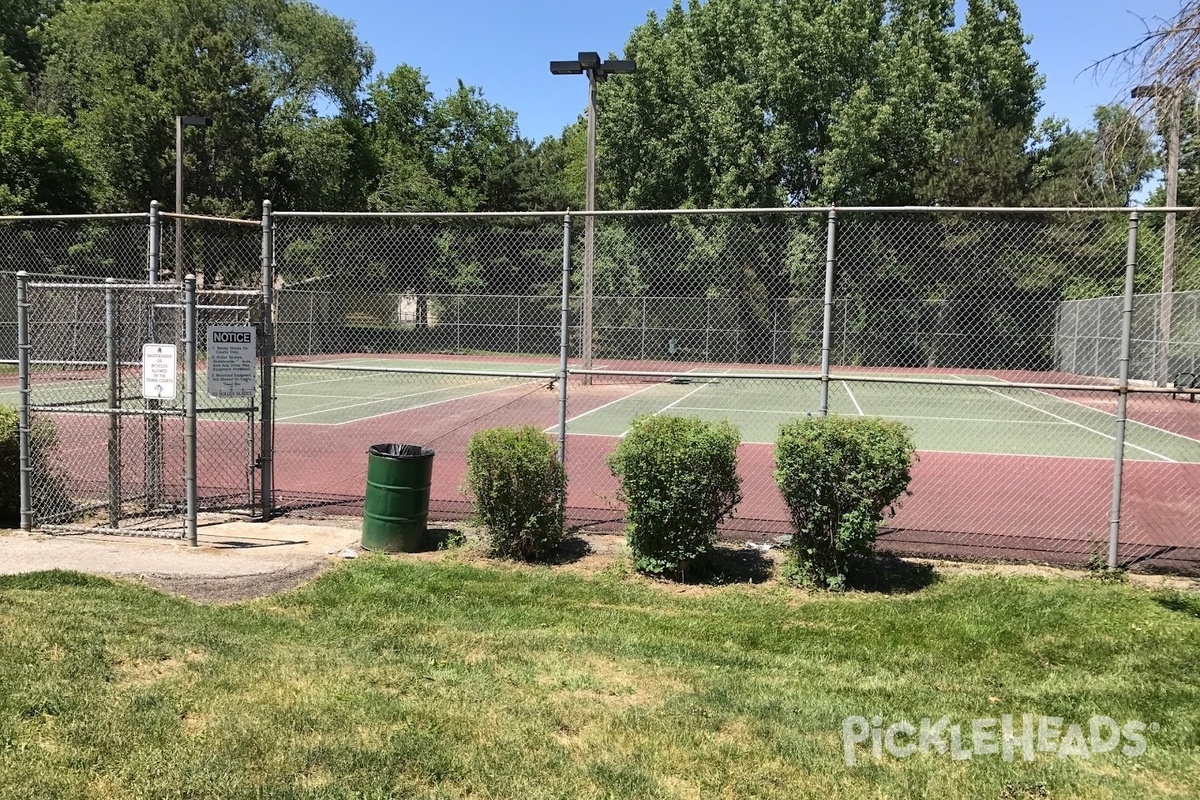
x=400, y=451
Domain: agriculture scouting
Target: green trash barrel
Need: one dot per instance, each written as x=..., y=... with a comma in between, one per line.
x=397, y=504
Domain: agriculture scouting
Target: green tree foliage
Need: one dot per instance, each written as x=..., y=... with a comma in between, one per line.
x=762, y=103
x=121, y=71
x=40, y=170
x=20, y=23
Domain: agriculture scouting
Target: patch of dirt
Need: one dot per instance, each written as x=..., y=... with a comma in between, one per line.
x=144, y=671
x=234, y=588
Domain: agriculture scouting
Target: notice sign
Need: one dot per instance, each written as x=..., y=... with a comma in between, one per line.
x=231, y=361
x=158, y=371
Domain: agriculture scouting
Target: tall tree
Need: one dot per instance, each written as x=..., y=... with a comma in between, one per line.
x=765, y=102
x=40, y=170
x=122, y=70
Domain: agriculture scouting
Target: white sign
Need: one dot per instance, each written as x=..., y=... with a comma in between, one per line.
x=158, y=371
x=231, y=361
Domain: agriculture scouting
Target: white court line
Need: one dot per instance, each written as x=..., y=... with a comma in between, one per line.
x=622, y=399
x=887, y=416
x=1186, y=438
x=375, y=400
x=425, y=405
x=392, y=399
x=669, y=406
x=1104, y=459
x=853, y=399
x=554, y=428
x=1110, y=437
x=356, y=376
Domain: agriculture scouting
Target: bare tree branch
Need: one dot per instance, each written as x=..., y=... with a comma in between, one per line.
x=1166, y=57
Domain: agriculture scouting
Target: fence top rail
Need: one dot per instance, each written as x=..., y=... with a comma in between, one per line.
x=1119, y=297
x=559, y=214
x=58, y=217
x=556, y=215
x=779, y=211
x=892, y=210
x=542, y=376
x=202, y=218
x=105, y=283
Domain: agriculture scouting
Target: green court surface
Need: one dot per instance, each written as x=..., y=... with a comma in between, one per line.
x=334, y=397
x=951, y=418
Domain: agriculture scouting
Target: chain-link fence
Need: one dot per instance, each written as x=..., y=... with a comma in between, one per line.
x=1011, y=342
x=106, y=447
x=110, y=423
x=1088, y=337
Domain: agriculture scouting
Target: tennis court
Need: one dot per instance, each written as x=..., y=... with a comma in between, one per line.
x=1003, y=470
x=967, y=419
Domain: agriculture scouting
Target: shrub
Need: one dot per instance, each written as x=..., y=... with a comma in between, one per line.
x=838, y=475
x=49, y=488
x=10, y=465
x=517, y=482
x=679, y=479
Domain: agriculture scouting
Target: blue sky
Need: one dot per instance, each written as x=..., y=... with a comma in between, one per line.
x=504, y=47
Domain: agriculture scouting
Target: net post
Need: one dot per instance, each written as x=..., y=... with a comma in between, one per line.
x=26, y=466
x=827, y=322
x=564, y=343
x=1114, y=517
x=267, y=365
x=114, y=400
x=189, y=403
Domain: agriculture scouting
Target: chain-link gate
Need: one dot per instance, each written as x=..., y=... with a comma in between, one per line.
x=131, y=422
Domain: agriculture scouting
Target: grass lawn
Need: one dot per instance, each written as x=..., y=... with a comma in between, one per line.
x=450, y=678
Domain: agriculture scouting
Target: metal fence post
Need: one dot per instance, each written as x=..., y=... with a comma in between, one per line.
x=26, y=466
x=645, y=323
x=189, y=403
x=707, y=328
x=1114, y=517
x=114, y=402
x=154, y=254
x=564, y=343
x=827, y=322
x=774, y=335
x=267, y=344
x=153, y=421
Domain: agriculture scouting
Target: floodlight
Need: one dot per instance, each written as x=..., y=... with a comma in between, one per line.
x=619, y=67
x=597, y=72
x=566, y=68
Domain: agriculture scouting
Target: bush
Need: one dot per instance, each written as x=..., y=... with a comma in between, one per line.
x=49, y=489
x=679, y=479
x=838, y=475
x=10, y=467
x=517, y=482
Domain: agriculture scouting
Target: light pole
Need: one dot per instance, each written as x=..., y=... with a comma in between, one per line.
x=597, y=72
x=1163, y=365
x=198, y=122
